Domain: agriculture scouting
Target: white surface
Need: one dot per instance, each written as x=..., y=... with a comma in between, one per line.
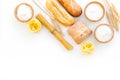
x=28, y=56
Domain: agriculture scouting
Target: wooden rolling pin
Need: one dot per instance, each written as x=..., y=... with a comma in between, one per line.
x=54, y=32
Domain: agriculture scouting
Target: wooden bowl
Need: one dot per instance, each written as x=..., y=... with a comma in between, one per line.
x=98, y=3
x=15, y=12
x=107, y=26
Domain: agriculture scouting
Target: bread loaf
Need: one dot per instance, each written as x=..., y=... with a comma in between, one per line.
x=59, y=12
x=72, y=7
x=79, y=32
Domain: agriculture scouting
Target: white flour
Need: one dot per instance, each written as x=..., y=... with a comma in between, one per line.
x=104, y=33
x=94, y=11
x=24, y=12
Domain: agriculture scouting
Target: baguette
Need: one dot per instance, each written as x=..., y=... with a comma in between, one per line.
x=59, y=13
x=72, y=7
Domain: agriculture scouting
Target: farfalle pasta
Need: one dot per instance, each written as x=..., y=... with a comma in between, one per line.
x=87, y=48
x=34, y=25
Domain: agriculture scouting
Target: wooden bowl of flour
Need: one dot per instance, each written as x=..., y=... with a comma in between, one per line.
x=104, y=33
x=24, y=12
x=94, y=11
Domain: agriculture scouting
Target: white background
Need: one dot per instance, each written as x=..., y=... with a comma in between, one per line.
x=39, y=56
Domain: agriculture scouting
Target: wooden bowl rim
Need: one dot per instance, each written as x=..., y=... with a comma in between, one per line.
x=15, y=12
x=100, y=4
x=107, y=26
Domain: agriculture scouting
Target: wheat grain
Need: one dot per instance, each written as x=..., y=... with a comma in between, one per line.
x=112, y=14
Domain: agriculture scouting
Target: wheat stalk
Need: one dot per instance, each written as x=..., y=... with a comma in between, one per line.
x=112, y=14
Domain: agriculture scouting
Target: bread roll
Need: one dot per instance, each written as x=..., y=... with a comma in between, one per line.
x=72, y=7
x=79, y=32
x=59, y=12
